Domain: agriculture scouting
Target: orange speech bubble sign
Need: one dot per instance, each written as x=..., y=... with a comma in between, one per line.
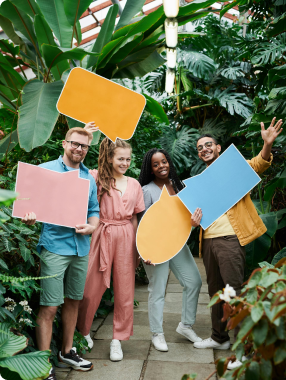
x=115, y=109
x=164, y=229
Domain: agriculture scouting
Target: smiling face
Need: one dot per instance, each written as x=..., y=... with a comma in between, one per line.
x=160, y=165
x=73, y=156
x=121, y=160
x=208, y=154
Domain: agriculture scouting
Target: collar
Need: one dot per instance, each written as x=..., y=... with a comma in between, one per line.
x=82, y=167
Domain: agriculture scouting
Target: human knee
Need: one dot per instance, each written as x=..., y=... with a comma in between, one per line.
x=47, y=313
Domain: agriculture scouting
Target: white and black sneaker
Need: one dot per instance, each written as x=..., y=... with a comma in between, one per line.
x=52, y=375
x=73, y=360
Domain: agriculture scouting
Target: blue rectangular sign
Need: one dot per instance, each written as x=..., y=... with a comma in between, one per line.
x=218, y=188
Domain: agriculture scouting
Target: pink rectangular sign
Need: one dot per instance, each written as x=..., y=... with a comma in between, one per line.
x=55, y=198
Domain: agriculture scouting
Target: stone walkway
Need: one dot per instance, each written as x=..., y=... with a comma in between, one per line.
x=141, y=361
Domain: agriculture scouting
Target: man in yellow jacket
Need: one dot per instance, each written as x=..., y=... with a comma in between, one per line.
x=222, y=244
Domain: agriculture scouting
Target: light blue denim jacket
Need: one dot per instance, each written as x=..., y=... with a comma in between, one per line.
x=64, y=240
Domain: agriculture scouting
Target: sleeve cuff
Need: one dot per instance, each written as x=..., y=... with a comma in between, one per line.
x=264, y=161
x=90, y=214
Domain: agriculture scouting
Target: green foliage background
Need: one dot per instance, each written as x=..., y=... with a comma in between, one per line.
x=227, y=82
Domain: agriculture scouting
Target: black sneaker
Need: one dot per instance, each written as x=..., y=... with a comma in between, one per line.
x=73, y=360
x=52, y=375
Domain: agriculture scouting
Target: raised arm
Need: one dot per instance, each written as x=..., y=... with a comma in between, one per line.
x=269, y=135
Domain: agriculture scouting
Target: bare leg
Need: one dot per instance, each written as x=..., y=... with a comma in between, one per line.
x=44, y=329
x=69, y=318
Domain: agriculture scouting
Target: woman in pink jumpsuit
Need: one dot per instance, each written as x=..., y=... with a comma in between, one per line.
x=113, y=246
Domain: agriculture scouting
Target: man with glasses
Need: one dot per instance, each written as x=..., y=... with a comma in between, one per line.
x=222, y=244
x=65, y=252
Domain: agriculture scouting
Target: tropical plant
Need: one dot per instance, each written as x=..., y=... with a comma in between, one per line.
x=221, y=89
x=43, y=36
x=33, y=365
x=261, y=310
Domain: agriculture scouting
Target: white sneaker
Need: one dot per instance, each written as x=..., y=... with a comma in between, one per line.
x=210, y=343
x=116, y=353
x=188, y=332
x=159, y=342
x=236, y=363
x=89, y=341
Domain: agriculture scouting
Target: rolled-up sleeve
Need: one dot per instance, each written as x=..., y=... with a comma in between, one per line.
x=93, y=205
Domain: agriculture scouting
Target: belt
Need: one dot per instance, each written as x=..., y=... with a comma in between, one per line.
x=105, y=243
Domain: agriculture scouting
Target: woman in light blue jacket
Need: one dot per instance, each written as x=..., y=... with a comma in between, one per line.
x=158, y=170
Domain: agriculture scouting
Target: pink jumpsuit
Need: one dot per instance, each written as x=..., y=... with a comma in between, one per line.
x=113, y=245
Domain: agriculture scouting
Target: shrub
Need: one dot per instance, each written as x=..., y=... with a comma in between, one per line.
x=261, y=310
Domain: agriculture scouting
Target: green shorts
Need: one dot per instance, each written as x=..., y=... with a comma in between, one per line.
x=70, y=280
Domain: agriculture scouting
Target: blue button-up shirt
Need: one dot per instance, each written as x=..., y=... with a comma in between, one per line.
x=64, y=240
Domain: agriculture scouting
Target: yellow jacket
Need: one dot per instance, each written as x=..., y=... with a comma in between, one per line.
x=243, y=216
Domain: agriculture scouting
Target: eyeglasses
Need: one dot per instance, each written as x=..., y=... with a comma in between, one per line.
x=75, y=145
x=208, y=144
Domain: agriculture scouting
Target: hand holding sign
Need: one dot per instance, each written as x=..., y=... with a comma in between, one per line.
x=164, y=229
x=50, y=196
x=218, y=188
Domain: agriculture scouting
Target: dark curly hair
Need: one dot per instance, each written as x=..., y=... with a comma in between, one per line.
x=146, y=175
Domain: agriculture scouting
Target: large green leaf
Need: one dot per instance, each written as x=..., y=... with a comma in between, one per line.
x=28, y=6
x=139, y=69
x=56, y=54
x=146, y=23
x=232, y=73
x=45, y=36
x=5, y=65
x=7, y=197
x=126, y=50
x=233, y=102
x=277, y=182
x=179, y=144
x=277, y=93
x=54, y=13
x=199, y=64
x=21, y=21
x=109, y=50
x=75, y=8
x=10, y=344
x=194, y=7
x=8, y=143
x=34, y=365
x=38, y=113
x=156, y=109
x=257, y=250
x=130, y=10
x=9, y=375
x=77, y=32
x=276, y=106
x=277, y=73
x=8, y=28
x=226, y=7
x=280, y=255
x=267, y=52
x=104, y=35
x=277, y=26
x=9, y=48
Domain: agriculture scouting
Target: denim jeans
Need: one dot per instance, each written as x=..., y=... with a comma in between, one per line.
x=186, y=271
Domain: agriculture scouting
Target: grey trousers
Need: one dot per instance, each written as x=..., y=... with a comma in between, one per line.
x=186, y=271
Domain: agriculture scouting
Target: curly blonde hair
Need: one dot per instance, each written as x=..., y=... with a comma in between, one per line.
x=105, y=177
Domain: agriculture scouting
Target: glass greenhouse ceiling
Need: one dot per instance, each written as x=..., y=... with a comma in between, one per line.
x=92, y=19
x=99, y=9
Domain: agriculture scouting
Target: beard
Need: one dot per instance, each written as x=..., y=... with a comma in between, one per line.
x=74, y=159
